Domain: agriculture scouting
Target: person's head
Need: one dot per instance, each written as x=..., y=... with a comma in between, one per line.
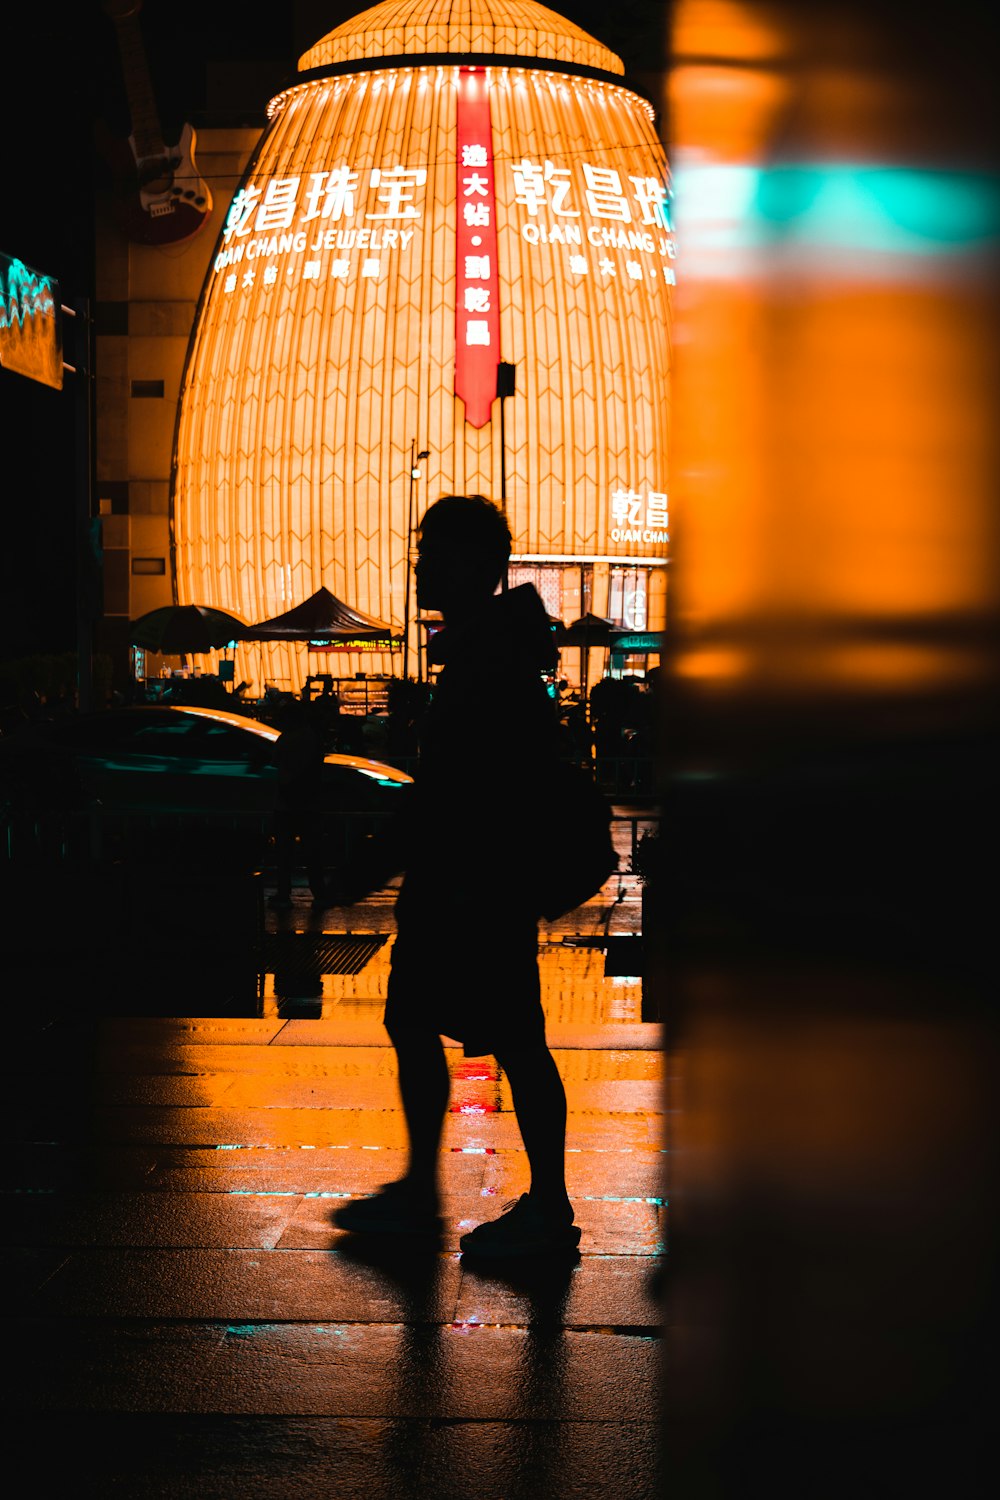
x=463, y=548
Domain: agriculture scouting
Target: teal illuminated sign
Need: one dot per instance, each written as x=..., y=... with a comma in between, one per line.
x=30, y=323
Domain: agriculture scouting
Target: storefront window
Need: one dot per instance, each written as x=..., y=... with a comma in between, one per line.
x=566, y=589
x=628, y=597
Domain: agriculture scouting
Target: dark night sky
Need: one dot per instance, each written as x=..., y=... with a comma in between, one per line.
x=208, y=64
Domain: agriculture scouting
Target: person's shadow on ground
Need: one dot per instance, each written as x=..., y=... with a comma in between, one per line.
x=543, y=1282
x=529, y=1394
x=409, y=1268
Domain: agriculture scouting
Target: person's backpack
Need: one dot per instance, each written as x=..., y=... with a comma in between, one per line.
x=575, y=854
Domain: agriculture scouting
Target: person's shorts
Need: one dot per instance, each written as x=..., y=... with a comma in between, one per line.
x=476, y=985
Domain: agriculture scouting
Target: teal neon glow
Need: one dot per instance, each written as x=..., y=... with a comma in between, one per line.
x=713, y=193
x=30, y=323
x=894, y=210
x=848, y=205
x=611, y=1198
x=247, y=1330
x=252, y=1193
x=27, y=294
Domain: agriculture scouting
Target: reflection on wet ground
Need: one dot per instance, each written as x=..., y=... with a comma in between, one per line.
x=174, y=1169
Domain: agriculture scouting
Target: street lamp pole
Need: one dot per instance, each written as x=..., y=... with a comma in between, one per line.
x=415, y=461
x=505, y=388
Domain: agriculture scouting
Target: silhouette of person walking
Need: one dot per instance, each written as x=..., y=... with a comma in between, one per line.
x=465, y=961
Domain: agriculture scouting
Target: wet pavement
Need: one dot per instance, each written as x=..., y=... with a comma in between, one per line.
x=189, y=1323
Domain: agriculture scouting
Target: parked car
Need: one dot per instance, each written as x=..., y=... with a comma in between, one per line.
x=152, y=770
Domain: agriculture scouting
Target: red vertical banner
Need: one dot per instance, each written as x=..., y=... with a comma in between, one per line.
x=477, y=299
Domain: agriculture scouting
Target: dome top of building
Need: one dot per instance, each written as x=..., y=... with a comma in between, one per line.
x=506, y=28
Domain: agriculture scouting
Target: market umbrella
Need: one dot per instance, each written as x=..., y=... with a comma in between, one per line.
x=323, y=619
x=185, y=629
x=588, y=631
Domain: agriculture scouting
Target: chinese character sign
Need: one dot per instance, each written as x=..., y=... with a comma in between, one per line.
x=605, y=223
x=302, y=233
x=639, y=517
x=477, y=309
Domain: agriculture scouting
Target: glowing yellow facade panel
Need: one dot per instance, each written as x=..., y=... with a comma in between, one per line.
x=336, y=305
x=514, y=28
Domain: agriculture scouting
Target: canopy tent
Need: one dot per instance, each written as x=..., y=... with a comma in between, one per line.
x=326, y=623
x=185, y=629
x=588, y=630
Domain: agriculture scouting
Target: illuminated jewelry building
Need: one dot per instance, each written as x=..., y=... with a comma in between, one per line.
x=448, y=191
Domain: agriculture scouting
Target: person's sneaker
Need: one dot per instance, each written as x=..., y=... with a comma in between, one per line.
x=521, y=1229
x=394, y=1209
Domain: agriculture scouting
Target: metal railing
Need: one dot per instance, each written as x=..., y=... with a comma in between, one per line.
x=622, y=778
x=98, y=835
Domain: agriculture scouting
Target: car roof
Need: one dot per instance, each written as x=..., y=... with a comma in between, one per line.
x=376, y=768
x=368, y=767
x=223, y=716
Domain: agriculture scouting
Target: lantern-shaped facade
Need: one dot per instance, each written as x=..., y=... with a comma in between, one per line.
x=454, y=200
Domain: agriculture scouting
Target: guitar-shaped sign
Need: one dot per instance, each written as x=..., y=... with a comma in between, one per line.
x=161, y=198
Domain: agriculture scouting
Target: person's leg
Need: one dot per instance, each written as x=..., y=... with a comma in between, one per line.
x=540, y=1222
x=409, y=1206
x=424, y=1087
x=540, y=1106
